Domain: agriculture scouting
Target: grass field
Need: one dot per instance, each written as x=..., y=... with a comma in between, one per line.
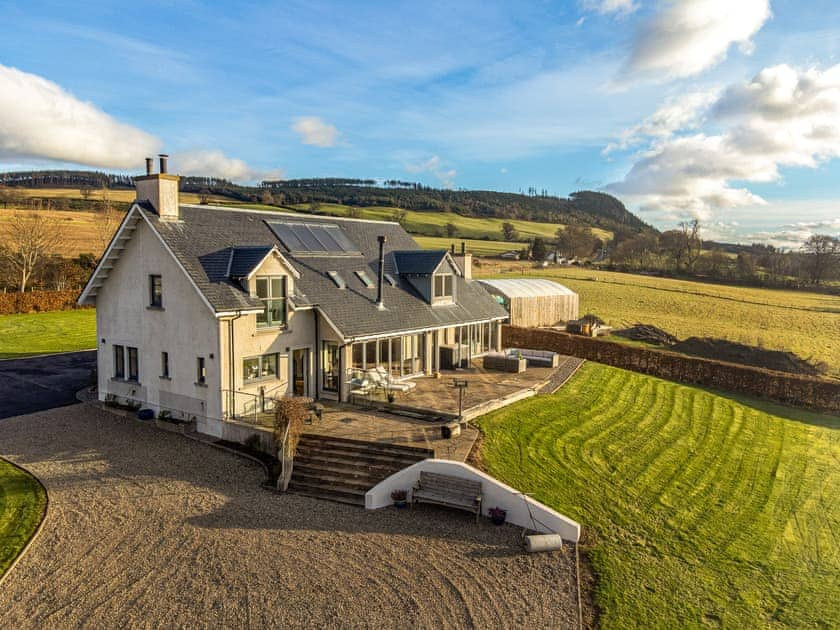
x=80, y=231
x=798, y=321
x=698, y=509
x=477, y=247
x=124, y=196
x=44, y=333
x=22, y=503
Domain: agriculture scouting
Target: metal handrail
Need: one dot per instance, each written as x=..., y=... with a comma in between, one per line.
x=285, y=475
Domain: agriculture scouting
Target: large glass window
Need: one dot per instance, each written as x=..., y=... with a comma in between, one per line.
x=330, y=366
x=272, y=291
x=259, y=368
x=443, y=285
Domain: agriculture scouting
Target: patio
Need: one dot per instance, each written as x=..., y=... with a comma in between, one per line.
x=484, y=387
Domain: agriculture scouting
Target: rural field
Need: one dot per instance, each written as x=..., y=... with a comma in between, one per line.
x=807, y=324
x=22, y=503
x=468, y=227
x=29, y=334
x=474, y=246
x=697, y=509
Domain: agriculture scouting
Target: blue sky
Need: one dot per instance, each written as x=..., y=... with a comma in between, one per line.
x=487, y=95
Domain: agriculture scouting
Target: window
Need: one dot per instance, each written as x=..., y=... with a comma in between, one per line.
x=133, y=366
x=119, y=362
x=391, y=280
x=155, y=292
x=365, y=278
x=164, y=365
x=330, y=369
x=201, y=372
x=258, y=368
x=337, y=279
x=272, y=291
x=443, y=285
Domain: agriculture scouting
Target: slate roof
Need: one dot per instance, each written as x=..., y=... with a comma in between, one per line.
x=418, y=262
x=243, y=260
x=205, y=237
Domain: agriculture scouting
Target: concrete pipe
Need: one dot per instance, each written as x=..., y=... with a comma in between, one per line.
x=543, y=542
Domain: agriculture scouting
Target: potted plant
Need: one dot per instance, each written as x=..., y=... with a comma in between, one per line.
x=391, y=396
x=400, y=498
x=497, y=515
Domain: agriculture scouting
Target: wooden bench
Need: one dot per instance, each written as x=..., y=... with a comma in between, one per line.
x=447, y=490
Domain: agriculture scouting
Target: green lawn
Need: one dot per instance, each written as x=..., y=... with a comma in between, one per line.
x=43, y=333
x=474, y=246
x=22, y=503
x=699, y=509
x=796, y=321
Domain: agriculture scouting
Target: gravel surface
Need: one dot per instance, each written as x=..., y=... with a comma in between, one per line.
x=150, y=529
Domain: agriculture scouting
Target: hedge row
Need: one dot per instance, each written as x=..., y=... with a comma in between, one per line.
x=801, y=391
x=36, y=301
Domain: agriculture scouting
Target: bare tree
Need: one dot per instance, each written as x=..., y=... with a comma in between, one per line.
x=691, y=242
x=106, y=223
x=26, y=242
x=822, y=257
x=86, y=192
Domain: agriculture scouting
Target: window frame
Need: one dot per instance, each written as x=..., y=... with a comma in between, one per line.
x=270, y=300
x=200, y=371
x=133, y=364
x=164, y=365
x=155, y=296
x=119, y=361
x=261, y=359
x=445, y=278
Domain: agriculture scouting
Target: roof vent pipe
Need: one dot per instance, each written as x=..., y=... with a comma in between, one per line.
x=163, y=157
x=463, y=247
x=381, y=281
x=149, y=165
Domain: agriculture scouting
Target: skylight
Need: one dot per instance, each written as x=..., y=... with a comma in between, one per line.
x=362, y=275
x=313, y=238
x=391, y=280
x=337, y=279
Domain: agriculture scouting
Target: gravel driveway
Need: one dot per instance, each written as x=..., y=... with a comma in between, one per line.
x=149, y=529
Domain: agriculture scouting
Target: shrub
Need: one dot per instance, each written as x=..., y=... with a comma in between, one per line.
x=398, y=496
x=292, y=412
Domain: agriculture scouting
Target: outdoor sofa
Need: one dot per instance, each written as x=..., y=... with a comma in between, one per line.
x=537, y=358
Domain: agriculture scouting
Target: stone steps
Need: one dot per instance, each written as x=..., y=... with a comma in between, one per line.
x=343, y=470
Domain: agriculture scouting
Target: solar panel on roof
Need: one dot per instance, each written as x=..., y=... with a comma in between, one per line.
x=313, y=238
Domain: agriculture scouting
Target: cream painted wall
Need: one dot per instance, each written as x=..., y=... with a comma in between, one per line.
x=185, y=328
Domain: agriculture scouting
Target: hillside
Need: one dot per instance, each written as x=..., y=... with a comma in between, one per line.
x=594, y=209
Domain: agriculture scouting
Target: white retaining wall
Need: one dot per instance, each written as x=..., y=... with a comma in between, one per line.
x=494, y=493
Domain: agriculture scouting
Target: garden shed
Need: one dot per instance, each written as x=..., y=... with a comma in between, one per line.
x=534, y=302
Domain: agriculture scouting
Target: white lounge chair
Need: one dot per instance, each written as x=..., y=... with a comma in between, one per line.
x=382, y=379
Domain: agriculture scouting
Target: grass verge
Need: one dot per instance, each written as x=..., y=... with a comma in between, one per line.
x=22, y=504
x=30, y=334
x=697, y=508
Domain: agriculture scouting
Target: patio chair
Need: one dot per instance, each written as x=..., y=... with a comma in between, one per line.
x=384, y=380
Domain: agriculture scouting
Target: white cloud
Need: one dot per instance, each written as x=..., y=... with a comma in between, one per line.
x=605, y=7
x=782, y=118
x=793, y=235
x=312, y=130
x=677, y=114
x=434, y=165
x=39, y=119
x=216, y=164
x=685, y=38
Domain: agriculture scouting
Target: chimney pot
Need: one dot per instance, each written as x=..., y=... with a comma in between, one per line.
x=149, y=165
x=463, y=247
x=163, y=158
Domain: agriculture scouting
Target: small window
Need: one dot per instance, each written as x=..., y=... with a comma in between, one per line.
x=390, y=279
x=119, y=362
x=133, y=365
x=272, y=291
x=164, y=365
x=362, y=275
x=337, y=279
x=201, y=371
x=443, y=285
x=155, y=292
x=258, y=368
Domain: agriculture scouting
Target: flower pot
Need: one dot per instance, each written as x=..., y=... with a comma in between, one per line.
x=400, y=504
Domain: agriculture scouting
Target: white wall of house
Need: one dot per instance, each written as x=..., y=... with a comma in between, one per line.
x=185, y=328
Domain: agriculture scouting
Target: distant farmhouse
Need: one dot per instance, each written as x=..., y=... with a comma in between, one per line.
x=207, y=311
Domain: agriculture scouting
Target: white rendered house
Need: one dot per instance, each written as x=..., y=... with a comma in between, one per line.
x=208, y=312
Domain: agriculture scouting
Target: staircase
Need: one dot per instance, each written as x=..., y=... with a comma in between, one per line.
x=343, y=470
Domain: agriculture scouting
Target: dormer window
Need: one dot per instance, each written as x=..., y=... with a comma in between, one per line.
x=443, y=285
x=271, y=290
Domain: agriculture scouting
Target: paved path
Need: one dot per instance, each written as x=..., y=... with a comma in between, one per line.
x=150, y=529
x=38, y=383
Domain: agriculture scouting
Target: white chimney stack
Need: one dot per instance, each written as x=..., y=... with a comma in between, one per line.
x=160, y=190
